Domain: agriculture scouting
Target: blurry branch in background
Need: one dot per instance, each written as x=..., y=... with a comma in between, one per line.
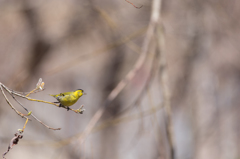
x=130, y=75
x=41, y=47
x=110, y=21
x=153, y=72
x=85, y=56
x=156, y=126
x=134, y=5
x=165, y=88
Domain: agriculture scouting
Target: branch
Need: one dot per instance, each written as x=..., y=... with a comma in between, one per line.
x=166, y=92
x=34, y=115
x=134, y=5
x=153, y=72
x=80, y=110
x=19, y=113
x=130, y=75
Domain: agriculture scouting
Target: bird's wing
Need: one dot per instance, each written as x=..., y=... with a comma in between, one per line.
x=61, y=94
x=66, y=93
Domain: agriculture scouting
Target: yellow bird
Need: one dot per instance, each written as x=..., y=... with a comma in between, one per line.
x=68, y=98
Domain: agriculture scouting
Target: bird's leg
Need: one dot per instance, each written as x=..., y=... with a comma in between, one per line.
x=60, y=105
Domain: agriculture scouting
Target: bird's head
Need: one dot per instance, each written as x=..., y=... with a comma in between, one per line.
x=80, y=92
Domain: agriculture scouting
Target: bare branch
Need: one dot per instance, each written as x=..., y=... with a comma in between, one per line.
x=130, y=75
x=34, y=115
x=79, y=111
x=153, y=72
x=166, y=91
x=19, y=113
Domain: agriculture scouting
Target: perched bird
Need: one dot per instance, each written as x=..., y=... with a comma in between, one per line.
x=68, y=98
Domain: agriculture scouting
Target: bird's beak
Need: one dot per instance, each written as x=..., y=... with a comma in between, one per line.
x=84, y=93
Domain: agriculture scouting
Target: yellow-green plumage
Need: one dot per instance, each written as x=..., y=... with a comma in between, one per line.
x=68, y=98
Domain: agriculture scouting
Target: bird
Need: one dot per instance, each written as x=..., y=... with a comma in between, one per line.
x=68, y=98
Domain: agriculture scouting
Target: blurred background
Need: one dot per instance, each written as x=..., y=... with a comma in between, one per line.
x=92, y=45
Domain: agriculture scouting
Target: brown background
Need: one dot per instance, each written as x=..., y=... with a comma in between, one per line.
x=74, y=44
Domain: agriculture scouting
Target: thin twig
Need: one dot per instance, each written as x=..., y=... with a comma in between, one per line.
x=130, y=75
x=39, y=87
x=134, y=5
x=25, y=125
x=34, y=115
x=19, y=113
x=108, y=20
x=153, y=72
x=32, y=91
